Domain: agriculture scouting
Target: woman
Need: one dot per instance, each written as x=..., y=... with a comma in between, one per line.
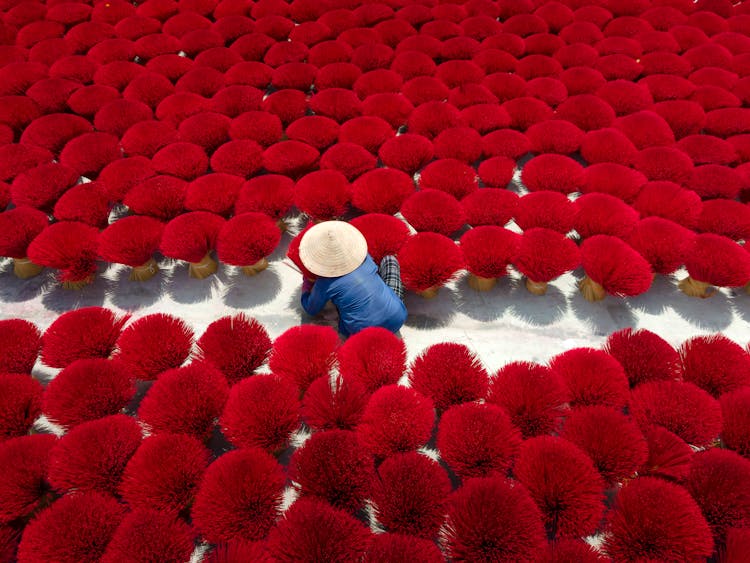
x=364, y=294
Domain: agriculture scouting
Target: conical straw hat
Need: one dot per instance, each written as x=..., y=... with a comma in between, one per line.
x=332, y=248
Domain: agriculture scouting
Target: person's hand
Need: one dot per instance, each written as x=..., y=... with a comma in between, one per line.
x=307, y=285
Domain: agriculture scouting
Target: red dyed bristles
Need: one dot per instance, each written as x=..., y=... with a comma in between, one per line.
x=715, y=364
x=608, y=145
x=592, y=377
x=88, y=389
x=263, y=127
x=737, y=545
x=154, y=343
x=292, y=252
x=448, y=373
x=680, y=407
x=532, y=394
x=238, y=480
x=408, y=152
x=625, y=97
x=664, y=164
x=236, y=345
x=613, y=179
x=613, y=442
x=271, y=421
x=553, y=172
x=370, y=132
x=191, y=236
x=24, y=486
x=714, y=181
x=315, y=130
x=164, y=473
x=87, y=203
x=69, y=247
x=145, y=138
x=131, y=240
x=41, y=186
x=187, y=400
x=554, y=136
x=183, y=160
x=9, y=538
x=645, y=129
x=716, y=481
x=544, y=255
x=375, y=356
x=488, y=250
x=432, y=117
x=568, y=550
x=434, y=211
x=350, y=159
x=149, y=534
x=491, y=519
x=725, y=217
x=20, y=404
x=486, y=118
x=240, y=550
x=545, y=209
x=662, y=242
x=339, y=104
x=215, y=192
x=210, y=130
x=396, y=419
x=246, y=239
x=382, y=190
x=271, y=194
x=564, y=484
x=603, y=214
x=75, y=529
x=311, y=530
x=613, y=267
x=323, y=195
x=335, y=404
x=410, y=495
x=586, y=111
x=304, y=353
x=90, y=332
x=459, y=143
x=87, y=154
x=656, y=521
x=20, y=342
x=162, y=197
x=495, y=172
x=385, y=234
x=644, y=355
x=449, y=175
x=18, y=227
x=707, y=149
x=392, y=107
x=725, y=122
x=398, y=548
x=290, y=158
x=92, y=456
x=714, y=260
x=335, y=466
x=428, y=260
x=735, y=413
x=489, y=207
x=476, y=439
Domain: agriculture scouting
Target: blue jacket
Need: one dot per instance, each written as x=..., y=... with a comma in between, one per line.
x=362, y=298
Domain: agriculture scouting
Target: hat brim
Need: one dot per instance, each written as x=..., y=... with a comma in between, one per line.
x=332, y=249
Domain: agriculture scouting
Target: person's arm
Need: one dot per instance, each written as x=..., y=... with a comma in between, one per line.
x=313, y=300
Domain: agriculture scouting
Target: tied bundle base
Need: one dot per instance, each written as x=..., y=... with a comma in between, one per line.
x=591, y=290
x=24, y=268
x=281, y=224
x=537, y=288
x=429, y=293
x=479, y=283
x=695, y=288
x=256, y=268
x=144, y=271
x=206, y=267
x=77, y=285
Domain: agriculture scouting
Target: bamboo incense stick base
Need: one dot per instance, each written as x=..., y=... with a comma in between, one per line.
x=591, y=290
x=24, y=268
x=206, y=267
x=695, y=288
x=430, y=292
x=144, y=271
x=479, y=283
x=77, y=285
x=256, y=268
x=281, y=224
x=537, y=288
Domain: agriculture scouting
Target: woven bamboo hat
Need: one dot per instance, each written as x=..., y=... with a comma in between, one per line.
x=332, y=248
